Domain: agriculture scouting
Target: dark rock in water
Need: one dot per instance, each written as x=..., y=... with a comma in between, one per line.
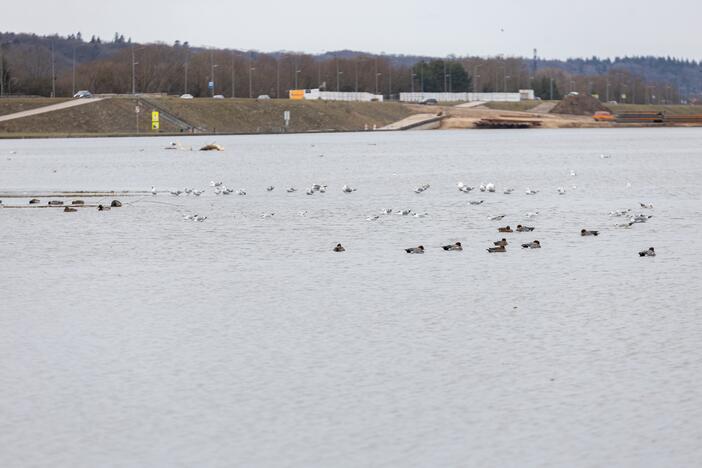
x=77, y=202
x=116, y=204
x=55, y=203
x=33, y=201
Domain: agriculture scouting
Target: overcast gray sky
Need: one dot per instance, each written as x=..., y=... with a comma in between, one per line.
x=557, y=28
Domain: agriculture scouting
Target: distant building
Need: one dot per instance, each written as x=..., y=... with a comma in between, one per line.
x=318, y=95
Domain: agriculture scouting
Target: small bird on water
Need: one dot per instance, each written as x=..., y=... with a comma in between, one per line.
x=585, y=232
x=339, y=248
x=415, y=250
x=453, y=247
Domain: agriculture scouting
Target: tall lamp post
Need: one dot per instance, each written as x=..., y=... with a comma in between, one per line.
x=251, y=70
x=212, y=72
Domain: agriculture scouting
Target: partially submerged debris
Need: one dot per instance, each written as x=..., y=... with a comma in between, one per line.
x=212, y=147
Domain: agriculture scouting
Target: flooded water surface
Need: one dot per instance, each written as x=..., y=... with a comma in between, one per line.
x=133, y=337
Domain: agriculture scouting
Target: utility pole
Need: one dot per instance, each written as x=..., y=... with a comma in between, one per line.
x=355, y=66
x=475, y=78
x=421, y=71
x=389, y=81
x=133, y=71
x=338, y=76
x=251, y=70
x=234, y=77
x=277, y=78
x=185, y=78
x=53, y=71
x=607, y=91
x=445, y=78
x=212, y=74
x=74, y=71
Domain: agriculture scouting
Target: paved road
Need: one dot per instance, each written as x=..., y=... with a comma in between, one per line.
x=51, y=108
x=413, y=121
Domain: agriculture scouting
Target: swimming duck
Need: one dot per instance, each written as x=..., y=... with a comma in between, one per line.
x=309, y=191
x=499, y=248
x=153, y=190
x=648, y=253
x=479, y=202
x=347, y=189
x=532, y=245
x=189, y=217
x=77, y=202
x=501, y=243
x=415, y=250
x=373, y=218
x=103, y=208
x=270, y=188
x=176, y=192
x=561, y=190
x=585, y=232
x=521, y=228
x=291, y=189
x=339, y=248
x=640, y=218
x=496, y=218
x=197, y=193
x=68, y=209
x=505, y=229
x=490, y=187
x=453, y=247
x=646, y=205
x=387, y=211
x=200, y=218
x=507, y=191
x=531, y=192
x=33, y=201
x=55, y=203
x=241, y=192
x=403, y=212
x=116, y=204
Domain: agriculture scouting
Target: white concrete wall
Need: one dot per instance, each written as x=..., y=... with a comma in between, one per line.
x=316, y=94
x=468, y=97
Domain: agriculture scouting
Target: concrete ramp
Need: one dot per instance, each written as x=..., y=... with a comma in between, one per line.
x=543, y=108
x=468, y=105
x=417, y=121
x=51, y=108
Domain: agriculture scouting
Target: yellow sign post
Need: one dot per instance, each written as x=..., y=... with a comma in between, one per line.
x=155, y=124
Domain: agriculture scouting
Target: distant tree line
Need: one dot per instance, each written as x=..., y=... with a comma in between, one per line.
x=106, y=67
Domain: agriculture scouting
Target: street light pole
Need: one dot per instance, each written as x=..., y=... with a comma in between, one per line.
x=74, y=72
x=475, y=78
x=251, y=70
x=53, y=71
x=233, y=75
x=133, y=72
x=212, y=74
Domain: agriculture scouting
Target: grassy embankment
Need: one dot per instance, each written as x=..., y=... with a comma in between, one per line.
x=12, y=105
x=117, y=117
